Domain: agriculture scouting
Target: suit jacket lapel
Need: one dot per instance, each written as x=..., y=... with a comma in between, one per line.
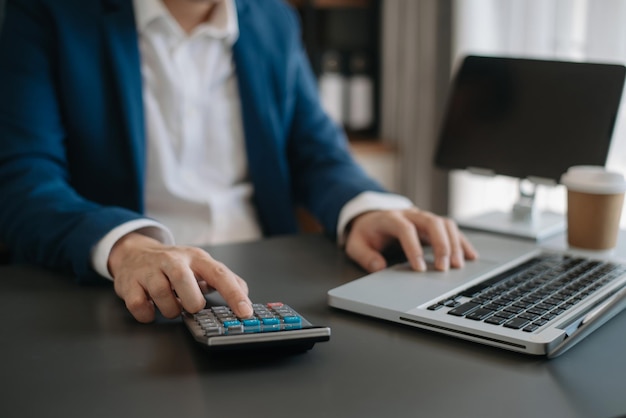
x=269, y=172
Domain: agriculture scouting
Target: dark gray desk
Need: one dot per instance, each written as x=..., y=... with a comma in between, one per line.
x=73, y=351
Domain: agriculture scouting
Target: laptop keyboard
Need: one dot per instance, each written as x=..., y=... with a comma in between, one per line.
x=530, y=295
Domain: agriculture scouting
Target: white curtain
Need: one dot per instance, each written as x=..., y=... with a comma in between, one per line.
x=416, y=55
x=582, y=30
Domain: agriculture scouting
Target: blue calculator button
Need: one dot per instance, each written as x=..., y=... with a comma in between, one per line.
x=251, y=322
x=252, y=329
x=251, y=325
x=232, y=323
x=270, y=328
x=292, y=319
x=271, y=321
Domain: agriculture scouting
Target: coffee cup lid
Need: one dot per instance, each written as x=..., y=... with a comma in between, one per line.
x=593, y=179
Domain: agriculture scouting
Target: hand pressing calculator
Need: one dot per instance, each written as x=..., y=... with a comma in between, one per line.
x=272, y=326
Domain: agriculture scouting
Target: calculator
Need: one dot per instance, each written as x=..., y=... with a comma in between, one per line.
x=273, y=326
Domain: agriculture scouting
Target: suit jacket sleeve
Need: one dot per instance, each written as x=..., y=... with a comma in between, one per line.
x=43, y=219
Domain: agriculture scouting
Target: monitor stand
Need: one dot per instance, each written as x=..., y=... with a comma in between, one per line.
x=523, y=221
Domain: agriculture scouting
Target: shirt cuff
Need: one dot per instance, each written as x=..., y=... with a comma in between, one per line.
x=366, y=202
x=102, y=250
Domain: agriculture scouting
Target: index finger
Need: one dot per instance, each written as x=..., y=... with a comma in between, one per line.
x=227, y=284
x=434, y=229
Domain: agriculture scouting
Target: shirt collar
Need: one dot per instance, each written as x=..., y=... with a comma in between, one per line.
x=222, y=24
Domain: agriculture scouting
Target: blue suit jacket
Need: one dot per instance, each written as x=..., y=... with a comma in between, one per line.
x=72, y=134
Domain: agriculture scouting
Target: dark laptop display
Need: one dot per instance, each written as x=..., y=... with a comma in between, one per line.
x=529, y=118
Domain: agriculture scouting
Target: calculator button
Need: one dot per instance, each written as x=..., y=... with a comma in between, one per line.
x=271, y=324
x=252, y=328
x=213, y=331
x=292, y=319
x=270, y=328
x=231, y=323
x=235, y=329
x=208, y=324
x=251, y=322
x=292, y=322
x=284, y=312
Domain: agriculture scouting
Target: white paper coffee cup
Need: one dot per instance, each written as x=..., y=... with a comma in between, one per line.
x=595, y=197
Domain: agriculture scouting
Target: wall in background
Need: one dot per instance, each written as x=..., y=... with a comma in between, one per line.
x=416, y=53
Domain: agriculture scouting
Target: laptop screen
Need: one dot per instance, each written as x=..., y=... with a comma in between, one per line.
x=528, y=117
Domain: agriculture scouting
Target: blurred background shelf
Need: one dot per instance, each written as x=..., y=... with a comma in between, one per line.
x=346, y=34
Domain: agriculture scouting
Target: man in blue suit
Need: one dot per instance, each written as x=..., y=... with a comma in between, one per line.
x=127, y=126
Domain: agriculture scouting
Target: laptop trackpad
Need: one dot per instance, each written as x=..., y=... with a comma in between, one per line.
x=420, y=287
x=400, y=288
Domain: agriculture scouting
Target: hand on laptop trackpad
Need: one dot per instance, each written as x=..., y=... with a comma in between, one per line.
x=395, y=257
x=404, y=288
x=470, y=268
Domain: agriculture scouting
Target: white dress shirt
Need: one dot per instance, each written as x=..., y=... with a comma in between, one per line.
x=197, y=188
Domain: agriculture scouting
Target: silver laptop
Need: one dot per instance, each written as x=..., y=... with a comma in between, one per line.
x=517, y=296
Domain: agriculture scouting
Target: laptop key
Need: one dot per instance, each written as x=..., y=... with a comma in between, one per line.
x=464, y=309
x=530, y=328
x=496, y=320
x=517, y=323
x=479, y=314
x=506, y=314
